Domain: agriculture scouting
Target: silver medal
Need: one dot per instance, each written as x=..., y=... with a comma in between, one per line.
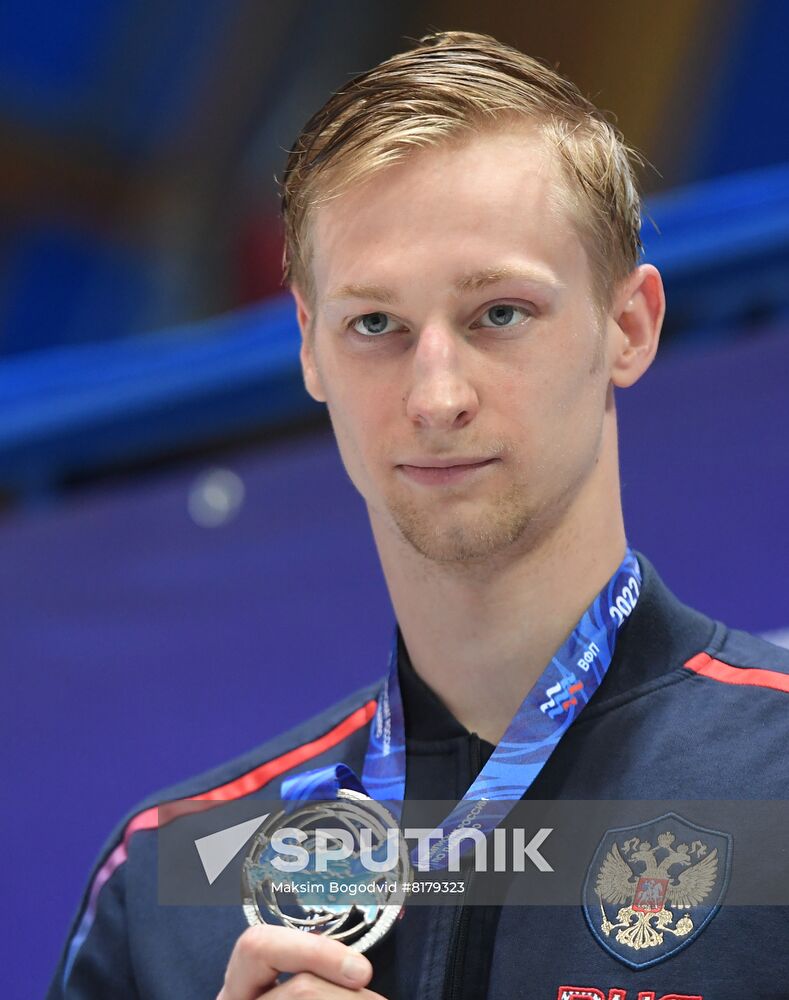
x=327, y=902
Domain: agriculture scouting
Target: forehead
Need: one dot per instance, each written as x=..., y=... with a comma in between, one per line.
x=487, y=201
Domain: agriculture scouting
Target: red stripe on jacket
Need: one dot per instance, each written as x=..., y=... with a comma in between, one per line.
x=706, y=666
x=157, y=816
x=253, y=780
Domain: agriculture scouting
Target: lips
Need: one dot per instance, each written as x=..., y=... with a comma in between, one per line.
x=445, y=463
x=445, y=471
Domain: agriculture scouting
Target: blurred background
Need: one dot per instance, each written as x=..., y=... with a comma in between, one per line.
x=184, y=568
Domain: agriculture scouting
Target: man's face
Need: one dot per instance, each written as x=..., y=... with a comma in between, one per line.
x=455, y=340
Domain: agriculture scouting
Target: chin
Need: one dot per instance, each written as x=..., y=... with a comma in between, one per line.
x=470, y=539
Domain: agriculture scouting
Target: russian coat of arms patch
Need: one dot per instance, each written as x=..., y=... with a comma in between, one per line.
x=651, y=889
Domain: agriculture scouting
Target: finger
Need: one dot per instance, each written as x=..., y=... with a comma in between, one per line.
x=306, y=986
x=261, y=953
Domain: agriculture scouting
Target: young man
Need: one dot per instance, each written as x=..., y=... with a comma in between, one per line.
x=462, y=247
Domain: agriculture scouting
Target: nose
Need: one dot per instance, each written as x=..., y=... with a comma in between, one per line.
x=442, y=395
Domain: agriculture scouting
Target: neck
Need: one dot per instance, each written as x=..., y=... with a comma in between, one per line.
x=480, y=635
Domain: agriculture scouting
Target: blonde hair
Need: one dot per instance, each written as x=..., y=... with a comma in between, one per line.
x=451, y=83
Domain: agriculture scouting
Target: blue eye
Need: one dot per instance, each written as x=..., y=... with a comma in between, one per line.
x=372, y=324
x=502, y=315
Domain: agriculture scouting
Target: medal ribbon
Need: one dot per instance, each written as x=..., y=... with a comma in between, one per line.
x=544, y=716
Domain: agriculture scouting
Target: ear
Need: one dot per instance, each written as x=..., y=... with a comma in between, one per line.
x=637, y=314
x=309, y=367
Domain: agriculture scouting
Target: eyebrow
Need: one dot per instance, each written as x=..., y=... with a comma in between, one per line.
x=492, y=275
x=376, y=292
x=468, y=283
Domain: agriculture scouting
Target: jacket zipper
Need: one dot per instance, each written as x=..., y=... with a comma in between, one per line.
x=453, y=989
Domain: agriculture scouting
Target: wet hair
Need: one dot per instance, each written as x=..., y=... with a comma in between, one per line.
x=451, y=85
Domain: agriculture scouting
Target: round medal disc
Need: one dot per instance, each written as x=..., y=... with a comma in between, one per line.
x=345, y=899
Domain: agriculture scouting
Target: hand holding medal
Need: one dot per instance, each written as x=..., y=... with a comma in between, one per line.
x=262, y=954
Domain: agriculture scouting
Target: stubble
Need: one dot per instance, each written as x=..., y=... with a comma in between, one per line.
x=457, y=531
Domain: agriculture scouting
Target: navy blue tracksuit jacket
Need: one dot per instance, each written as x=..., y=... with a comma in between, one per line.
x=688, y=709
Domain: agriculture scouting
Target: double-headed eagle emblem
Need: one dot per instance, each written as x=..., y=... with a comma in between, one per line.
x=649, y=880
